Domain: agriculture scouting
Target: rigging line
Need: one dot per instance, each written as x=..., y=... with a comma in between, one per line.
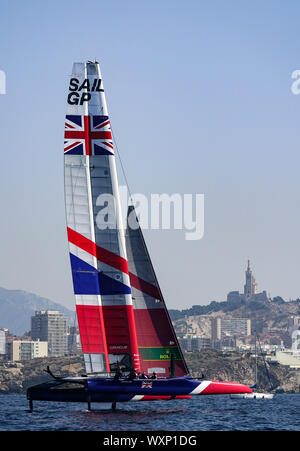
x=130, y=195
x=73, y=180
x=121, y=163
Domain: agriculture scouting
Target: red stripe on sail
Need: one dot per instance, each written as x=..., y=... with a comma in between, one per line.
x=92, y=331
x=153, y=328
x=83, y=134
x=144, y=286
x=114, y=260
x=120, y=331
x=87, y=136
x=133, y=338
x=103, y=124
x=103, y=255
x=72, y=145
x=108, y=144
x=69, y=125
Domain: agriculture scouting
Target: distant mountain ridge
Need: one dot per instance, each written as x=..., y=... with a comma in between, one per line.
x=18, y=306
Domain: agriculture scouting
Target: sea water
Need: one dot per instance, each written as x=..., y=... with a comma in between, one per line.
x=201, y=413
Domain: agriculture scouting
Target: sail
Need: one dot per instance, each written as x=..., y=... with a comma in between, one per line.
x=97, y=254
x=156, y=337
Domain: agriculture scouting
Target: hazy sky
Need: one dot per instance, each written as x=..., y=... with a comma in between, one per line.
x=199, y=94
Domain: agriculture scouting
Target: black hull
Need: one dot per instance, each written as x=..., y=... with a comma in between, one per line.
x=58, y=391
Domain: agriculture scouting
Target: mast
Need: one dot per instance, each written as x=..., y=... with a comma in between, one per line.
x=265, y=364
x=255, y=357
x=97, y=250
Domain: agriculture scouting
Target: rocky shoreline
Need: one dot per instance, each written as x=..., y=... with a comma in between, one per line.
x=16, y=377
x=236, y=367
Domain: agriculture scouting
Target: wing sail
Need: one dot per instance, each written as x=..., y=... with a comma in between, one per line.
x=97, y=254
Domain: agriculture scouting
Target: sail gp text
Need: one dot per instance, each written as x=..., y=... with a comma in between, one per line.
x=81, y=90
x=151, y=440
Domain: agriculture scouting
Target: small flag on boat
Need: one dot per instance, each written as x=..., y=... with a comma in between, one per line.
x=146, y=384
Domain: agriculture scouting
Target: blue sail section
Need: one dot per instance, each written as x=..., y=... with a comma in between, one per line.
x=87, y=280
x=85, y=277
x=111, y=286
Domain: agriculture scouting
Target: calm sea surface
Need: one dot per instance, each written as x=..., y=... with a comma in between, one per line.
x=202, y=413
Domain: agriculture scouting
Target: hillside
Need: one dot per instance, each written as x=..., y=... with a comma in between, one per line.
x=272, y=315
x=17, y=307
x=274, y=306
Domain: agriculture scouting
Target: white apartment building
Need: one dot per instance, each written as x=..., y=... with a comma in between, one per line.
x=51, y=326
x=26, y=349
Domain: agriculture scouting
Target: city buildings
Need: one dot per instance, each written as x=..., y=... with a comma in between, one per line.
x=74, y=344
x=51, y=326
x=2, y=343
x=222, y=327
x=26, y=349
x=190, y=343
x=48, y=338
x=223, y=333
x=294, y=323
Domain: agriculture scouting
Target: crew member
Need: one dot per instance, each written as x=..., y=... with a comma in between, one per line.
x=132, y=374
x=118, y=373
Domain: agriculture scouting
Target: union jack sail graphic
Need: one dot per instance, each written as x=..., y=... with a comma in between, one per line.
x=88, y=135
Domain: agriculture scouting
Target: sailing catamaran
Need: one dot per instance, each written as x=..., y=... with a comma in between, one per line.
x=122, y=317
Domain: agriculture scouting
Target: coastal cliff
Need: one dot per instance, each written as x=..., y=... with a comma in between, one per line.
x=16, y=377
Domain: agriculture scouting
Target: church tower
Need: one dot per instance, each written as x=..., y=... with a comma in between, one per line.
x=250, y=287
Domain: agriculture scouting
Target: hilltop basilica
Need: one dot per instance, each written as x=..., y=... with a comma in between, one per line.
x=250, y=290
